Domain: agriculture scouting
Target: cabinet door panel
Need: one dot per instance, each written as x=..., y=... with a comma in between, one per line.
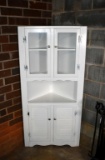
x=64, y=129
x=38, y=52
x=37, y=40
x=66, y=52
x=38, y=62
x=39, y=124
x=66, y=62
x=66, y=40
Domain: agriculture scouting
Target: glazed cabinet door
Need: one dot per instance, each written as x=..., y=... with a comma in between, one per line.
x=64, y=124
x=66, y=52
x=40, y=124
x=37, y=47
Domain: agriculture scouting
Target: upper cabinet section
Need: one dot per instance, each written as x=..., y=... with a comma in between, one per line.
x=38, y=52
x=52, y=52
x=66, y=52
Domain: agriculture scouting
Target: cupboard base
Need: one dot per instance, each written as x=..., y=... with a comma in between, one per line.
x=32, y=144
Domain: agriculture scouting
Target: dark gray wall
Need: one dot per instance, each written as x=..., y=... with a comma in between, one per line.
x=89, y=13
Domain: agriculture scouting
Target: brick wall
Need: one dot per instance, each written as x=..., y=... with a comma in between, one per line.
x=89, y=13
x=12, y=14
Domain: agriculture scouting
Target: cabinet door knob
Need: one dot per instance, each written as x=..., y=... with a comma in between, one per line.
x=48, y=46
x=54, y=119
x=56, y=46
x=49, y=119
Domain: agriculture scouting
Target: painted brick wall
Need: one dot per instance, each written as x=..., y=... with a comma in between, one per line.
x=89, y=13
x=15, y=13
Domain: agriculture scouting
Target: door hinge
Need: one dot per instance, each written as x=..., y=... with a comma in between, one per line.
x=75, y=113
x=79, y=38
x=24, y=39
x=78, y=66
x=28, y=113
x=25, y=67
x=29, y=134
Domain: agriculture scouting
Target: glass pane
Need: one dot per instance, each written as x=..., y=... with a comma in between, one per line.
x=37, y=40
x=66, y=40
x=66, y=62
x=38, y=62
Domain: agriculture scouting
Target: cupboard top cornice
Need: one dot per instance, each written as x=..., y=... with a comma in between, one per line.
x=53, y=27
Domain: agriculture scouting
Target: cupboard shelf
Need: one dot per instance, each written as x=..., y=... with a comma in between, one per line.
x=51, y=98
x=37, y=49
x=59, y=49
x=66, y=49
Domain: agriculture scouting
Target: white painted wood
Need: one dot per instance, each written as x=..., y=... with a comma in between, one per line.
x=40, y=123
x=66, y=61
x=52, y=64
x=51, y=98
x=80, y=86
x=64, y=123
x=38, y=89
x=23, y=84
x=66, y=89
x=38, y=48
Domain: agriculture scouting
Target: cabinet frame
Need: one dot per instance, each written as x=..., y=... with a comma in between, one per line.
x=52, y=76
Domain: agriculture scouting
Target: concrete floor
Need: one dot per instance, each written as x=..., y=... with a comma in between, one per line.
x=49, y=153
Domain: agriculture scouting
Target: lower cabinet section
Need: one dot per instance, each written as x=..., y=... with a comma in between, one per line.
x=39, y=124
x=53, y=124
x=64, y=124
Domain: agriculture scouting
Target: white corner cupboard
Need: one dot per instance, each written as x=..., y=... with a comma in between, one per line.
x=52, y=62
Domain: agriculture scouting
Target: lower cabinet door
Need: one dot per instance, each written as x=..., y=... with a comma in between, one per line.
x=40, y=124
x=64, y=124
